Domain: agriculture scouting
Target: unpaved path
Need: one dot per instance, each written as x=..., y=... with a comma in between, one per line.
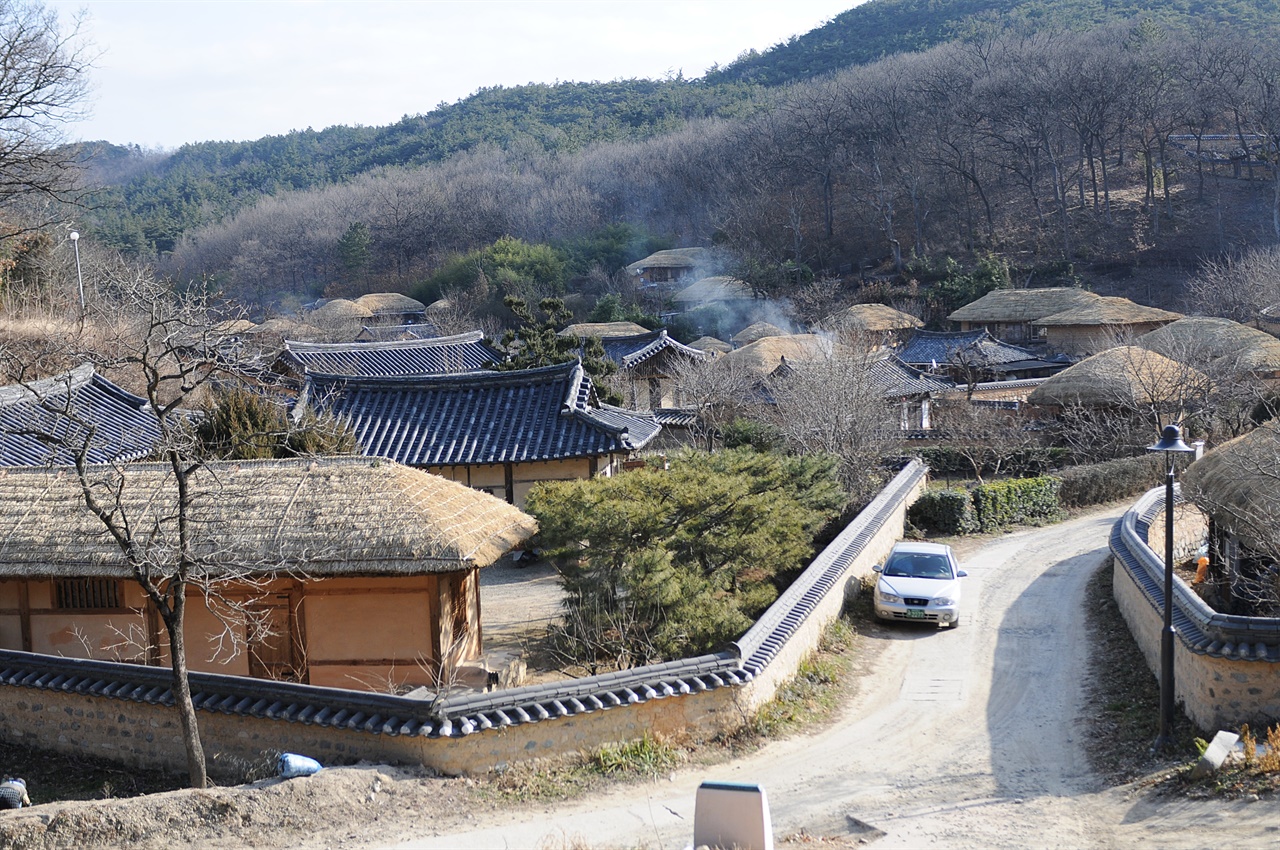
x=964, y=738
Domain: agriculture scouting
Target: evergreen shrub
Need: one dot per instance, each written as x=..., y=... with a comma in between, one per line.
x=1097, y=483
x=945, y=511
x=1017, y=500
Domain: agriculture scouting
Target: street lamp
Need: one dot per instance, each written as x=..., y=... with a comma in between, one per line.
x=1170, y=442
x=75, y=243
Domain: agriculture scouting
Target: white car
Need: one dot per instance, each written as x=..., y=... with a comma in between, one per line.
x=919, y=582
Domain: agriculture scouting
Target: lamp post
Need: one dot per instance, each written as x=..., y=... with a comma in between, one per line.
x=1170, y=442
x=75, y=243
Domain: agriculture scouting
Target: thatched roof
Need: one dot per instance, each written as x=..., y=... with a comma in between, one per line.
x=582, y=330
x=711, y=345
x=1013, y=306
x=710, y=289
x=870, y=317
x=1125, y=375
x=758, y=331
x=338, y=516
x=383, y=303
x=672, y=258
x=439, y=305
x=1235, y=484
x=765, y=355
x=1108, y=310
x=339, y=311
x=1121, y=375
x=1228, y=345
x=231, y=327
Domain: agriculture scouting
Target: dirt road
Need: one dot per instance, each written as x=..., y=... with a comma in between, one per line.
x=963, y=738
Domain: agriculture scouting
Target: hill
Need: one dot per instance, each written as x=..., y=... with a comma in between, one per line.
x=882, y=28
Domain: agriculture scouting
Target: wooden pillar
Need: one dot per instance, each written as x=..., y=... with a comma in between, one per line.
x=24, y=613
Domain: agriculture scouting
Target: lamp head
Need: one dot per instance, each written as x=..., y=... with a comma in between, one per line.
x=1171, y=441
x=73, y=236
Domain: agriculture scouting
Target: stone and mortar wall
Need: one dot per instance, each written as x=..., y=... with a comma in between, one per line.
x=144, y=735
x=1216, y=693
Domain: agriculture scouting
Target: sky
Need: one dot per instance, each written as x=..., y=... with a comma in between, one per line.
x=176, y=71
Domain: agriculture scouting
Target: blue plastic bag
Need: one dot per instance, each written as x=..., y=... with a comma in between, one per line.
x=293, y=765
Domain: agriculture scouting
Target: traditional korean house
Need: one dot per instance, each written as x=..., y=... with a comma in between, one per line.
x=675, y=265
x=355, y=572
x=1221, y=347
x=1009, y=314
x=582, y=330
x=647, y=365
x=1234, y=486
x=974, y=356
x=870, y=324
x=1124, y=378
x=718, y=291
x=1099, y=324
x=500, y=432
x=78, y=406
x=754, y=333
x=392, y=308
x=445, y=355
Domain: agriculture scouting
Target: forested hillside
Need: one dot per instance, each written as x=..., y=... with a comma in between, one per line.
x=882, y=28
x=152, y=199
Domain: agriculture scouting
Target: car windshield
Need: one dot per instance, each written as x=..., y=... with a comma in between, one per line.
x=918, y=565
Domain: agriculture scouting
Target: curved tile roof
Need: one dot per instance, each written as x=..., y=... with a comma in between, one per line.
x=978, y=347
x=547, y=413
x=444, y=355
x=125, y=429
x=630, y=351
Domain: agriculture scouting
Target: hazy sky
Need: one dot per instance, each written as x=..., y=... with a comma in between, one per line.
x=174, y=71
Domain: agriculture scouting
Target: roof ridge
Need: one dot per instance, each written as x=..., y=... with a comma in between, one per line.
x=485, y=376
x=69, y=381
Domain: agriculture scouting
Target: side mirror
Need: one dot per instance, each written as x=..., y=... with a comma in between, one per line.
x=877, y=568
x=961, y=574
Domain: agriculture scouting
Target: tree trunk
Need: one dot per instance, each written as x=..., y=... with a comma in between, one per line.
x=182, y=691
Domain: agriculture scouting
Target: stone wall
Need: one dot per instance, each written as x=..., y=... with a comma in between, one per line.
x=146, y=735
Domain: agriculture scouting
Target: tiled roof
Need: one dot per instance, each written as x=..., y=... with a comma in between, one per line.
x=444, y=355
x=465, y=714
x=547, y=413
x=977, y=348
x=630, y=351
x=388, y=333
x=1199, y=628
x=896, y=379
x=125, y=429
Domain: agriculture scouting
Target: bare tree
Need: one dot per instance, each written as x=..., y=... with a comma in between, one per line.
x=43, y=84
x=835, y=406
x=718, y=391
x=989, y=437
x=166, y=346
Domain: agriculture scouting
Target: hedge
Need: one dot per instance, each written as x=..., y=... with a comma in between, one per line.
x=1017, y=500
x=947, y=511
x=1097, y=483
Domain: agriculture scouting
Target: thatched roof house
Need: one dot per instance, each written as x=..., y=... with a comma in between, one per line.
x=583, y=330
x=754, y=332
x=1099, y=324
x=435, y=356
x=1223, y=346
x=73, y=407
x=720, y=289
x=711, y=345
x=365, y=571
x=339, y=311
x=392, y=305
x=763, y=356
x=1125, y=376
x=1009, y=313
x=1235, y=485
x=335, y=516
x=875, y=318
x=672, y=265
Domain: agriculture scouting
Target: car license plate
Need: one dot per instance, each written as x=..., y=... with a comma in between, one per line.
x=915, y=613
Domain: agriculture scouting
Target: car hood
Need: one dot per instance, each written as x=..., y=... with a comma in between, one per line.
x=923, y=588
